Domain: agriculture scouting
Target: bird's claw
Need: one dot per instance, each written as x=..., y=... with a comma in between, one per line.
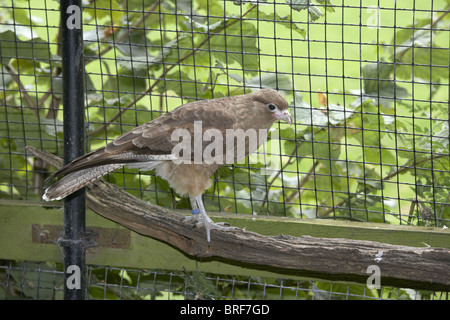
x=205, y=221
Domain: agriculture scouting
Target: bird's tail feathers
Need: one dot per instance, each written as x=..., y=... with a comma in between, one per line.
x=88, y=160
x=77, y=180
x=145, y=166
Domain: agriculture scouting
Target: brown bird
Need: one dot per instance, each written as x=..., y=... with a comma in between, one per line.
x=211, y=132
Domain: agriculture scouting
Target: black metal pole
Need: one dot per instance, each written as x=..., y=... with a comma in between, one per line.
x=73, y=242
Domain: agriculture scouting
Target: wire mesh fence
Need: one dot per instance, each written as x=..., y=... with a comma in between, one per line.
x=367, y=84
x=44, y=281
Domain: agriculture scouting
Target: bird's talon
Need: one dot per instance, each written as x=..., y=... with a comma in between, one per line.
x=223, y=224
x=189, y=218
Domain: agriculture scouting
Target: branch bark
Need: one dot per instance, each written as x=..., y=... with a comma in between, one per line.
x=325, y=258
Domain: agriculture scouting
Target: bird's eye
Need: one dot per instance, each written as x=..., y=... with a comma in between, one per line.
x=271, y=107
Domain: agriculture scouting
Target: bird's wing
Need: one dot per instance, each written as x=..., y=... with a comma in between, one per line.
x=154, y=138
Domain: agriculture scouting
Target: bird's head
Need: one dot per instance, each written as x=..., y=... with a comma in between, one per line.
x=274, y=105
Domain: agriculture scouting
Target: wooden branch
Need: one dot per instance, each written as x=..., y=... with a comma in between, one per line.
x=325, y=258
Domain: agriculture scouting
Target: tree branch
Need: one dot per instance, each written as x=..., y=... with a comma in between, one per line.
x=297, y=193
x=164, y=74
x=125, y=34
x=325, y=258
x=24, y=91
x=291, y=160
x=432, y=26
x=388, y=177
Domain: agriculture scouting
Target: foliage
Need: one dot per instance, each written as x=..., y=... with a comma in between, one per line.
x=371, y=144
x=344, y=157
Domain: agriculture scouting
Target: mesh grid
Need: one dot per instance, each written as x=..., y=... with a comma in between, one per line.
x=44, y=281
x=368, y=86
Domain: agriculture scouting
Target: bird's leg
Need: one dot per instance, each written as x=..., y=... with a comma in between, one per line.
x=207, y=222
x=200, y=216
x=195, y=212
x=194, y=205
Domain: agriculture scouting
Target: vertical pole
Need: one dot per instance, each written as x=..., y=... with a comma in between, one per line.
x=74, y=242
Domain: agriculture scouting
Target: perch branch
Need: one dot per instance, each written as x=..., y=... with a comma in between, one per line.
x=326, y=258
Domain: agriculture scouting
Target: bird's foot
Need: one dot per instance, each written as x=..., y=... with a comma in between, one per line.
x=205, y=221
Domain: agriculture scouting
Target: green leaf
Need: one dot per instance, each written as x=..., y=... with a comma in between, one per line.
x=12, y=48
x=160, y=192
x=234, y=76
x=196, y=24
x=286, y=21
x=437, y=140
x=137, y=64
x=306, y=114
x=240, y=180
x=418, y=34
x=25, y=129
x=417, y=56
x=324, y=145
x=52, y=126
x=299, y=5
x=5, y=79
x=168, y=55
x=21, y=32
x=134, y=44
x=377, y=76
x=135, y=56
x=425, y=63
x=105, y=9
x=183, y=6
x=271, y=80
x=328, y=5
x=379, y=85
x=184, y=86
x=338, y=113
x=237, y=45
x=241, y=2
x=314, y=12
x=176, y=49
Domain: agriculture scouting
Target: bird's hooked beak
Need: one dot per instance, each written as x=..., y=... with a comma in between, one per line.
x=283, y=115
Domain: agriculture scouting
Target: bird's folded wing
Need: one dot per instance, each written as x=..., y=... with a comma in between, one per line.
x=154, y=138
